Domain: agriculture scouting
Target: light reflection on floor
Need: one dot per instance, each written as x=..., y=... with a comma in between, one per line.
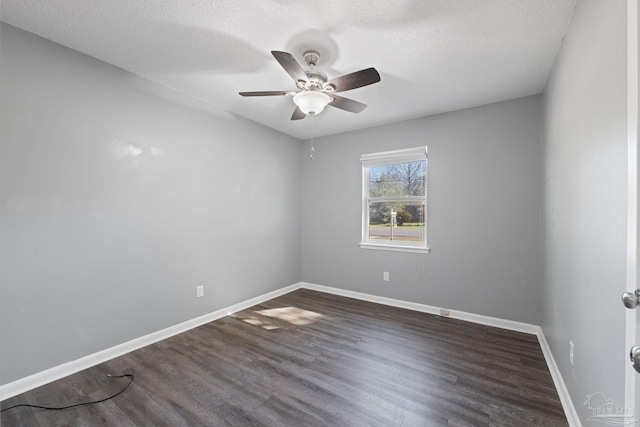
x=291, y=315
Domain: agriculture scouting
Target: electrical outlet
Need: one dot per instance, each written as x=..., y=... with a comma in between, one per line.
x=199, y=291
x=385, y=276
x=444, y=312
x=571, y=352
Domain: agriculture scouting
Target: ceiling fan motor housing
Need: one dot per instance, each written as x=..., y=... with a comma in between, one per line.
x=317, y=79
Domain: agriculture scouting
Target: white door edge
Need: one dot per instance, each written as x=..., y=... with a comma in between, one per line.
x=632, y=382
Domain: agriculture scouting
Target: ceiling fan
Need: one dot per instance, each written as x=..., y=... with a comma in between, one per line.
x=315, y=91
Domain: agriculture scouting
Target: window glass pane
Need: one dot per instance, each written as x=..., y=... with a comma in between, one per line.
x=397, y=221
x=397, y=180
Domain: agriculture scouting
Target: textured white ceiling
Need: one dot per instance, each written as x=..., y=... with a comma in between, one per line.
x=433, y=55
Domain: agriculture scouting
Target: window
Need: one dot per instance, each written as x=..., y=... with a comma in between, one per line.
x=394, y=200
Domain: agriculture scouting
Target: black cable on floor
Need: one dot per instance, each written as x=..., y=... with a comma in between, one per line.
x=50, y=408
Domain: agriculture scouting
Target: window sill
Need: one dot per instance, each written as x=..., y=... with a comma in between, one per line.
x=395, y=248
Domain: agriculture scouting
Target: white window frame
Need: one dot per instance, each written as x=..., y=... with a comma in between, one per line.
x=382, y=159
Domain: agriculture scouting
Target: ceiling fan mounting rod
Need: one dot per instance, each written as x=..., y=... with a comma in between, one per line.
x=311, y=58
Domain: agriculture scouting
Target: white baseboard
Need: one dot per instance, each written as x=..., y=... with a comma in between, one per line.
x=44, y=377
x=469, y=317
x=563, y=392
x=36, y=380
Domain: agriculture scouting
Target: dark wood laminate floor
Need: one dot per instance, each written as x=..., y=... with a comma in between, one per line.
x=314, y=359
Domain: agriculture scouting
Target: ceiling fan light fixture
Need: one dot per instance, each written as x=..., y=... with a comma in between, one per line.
x=311, y=101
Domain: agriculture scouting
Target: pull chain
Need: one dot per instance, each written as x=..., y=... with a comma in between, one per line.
x=312, y=149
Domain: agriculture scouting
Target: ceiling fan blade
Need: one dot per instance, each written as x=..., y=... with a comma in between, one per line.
x=298, y=114
x=354, y=80
x=268, y=93
x=291, y=66
x=347, y=104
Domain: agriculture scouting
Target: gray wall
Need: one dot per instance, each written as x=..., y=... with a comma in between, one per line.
x=99, y=246
x=585, y=173
x=484, y=217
